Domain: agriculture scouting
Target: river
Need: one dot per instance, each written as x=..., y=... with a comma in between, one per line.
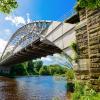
x=33, y=88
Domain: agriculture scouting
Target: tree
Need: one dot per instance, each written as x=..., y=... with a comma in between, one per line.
x=30, y=67
x=37, y=65
x=44, y=71
x=7, y=6
x=91, y=4
x=18, y=69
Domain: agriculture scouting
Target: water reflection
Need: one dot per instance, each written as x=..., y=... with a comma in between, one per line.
x=32, y=88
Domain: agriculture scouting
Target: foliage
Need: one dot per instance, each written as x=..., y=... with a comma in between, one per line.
x=19, y=70
x=83, y=92
x=30, y=68
x=37, y=68
x=6, y=6
x=44, y=71
x=91, y=4
x=37, y=65
x=52, y=70
x=75, y=49
x=70, y=74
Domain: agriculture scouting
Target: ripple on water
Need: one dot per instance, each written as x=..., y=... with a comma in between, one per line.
x=32, y=88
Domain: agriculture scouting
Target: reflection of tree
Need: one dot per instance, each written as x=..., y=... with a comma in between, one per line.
x=10, y=89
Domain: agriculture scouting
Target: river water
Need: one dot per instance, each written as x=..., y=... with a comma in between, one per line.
x=33, y=88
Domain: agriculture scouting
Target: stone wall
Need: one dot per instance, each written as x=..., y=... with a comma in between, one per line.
x=93, y=29
x=88, y=40
x=82, y=41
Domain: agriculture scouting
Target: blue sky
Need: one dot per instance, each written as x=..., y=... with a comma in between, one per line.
x=36, y=10
x=45, y=9
x=30, y=10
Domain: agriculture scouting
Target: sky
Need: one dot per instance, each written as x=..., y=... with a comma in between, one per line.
x=30, y=10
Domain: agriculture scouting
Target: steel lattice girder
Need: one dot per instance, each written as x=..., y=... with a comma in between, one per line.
x=23, y=37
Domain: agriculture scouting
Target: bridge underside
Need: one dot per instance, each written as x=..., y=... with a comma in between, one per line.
x=35, y=50
x=27, y=43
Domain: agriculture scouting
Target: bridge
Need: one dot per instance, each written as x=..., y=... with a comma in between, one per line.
x=38, y=39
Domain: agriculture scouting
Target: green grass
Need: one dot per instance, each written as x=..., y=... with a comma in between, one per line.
x=83, y=92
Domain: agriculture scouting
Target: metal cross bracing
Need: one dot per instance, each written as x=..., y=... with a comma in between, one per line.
x=27, y=43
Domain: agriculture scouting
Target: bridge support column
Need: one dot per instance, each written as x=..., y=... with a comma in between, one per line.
x=82, y=66
x=82, y=71
x=88, y=40
x=93, y=30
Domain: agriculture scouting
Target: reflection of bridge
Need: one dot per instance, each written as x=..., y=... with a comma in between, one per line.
x=36, y=40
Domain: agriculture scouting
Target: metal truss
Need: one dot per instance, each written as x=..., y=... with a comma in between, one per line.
x=23, y=37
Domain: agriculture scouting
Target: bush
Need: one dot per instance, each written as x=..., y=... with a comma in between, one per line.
x=83, y=92
x=44, y=71
x=52, y=70
x=19, y=70
x=70, y=74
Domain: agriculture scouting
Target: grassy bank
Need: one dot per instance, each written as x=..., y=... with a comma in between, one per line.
x=83, y=92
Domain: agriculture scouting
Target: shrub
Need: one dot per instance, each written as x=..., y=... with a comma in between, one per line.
x=83, y=92
x=70, y=74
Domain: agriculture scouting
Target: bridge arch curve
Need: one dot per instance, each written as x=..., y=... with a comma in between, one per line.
x=28, y=43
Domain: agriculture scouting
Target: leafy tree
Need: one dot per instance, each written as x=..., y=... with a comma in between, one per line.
x=44, y=71
x=37, y=65
x=19, y=70
x=30, y=67
x=91, y=4
x=52, y=70
x=7, y=6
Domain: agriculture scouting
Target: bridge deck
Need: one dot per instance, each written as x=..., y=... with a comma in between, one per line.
x=35, y=50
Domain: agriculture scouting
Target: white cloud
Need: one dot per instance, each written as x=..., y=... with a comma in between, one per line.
x=3, y=43
x=17, y=20
x=56, y=59
x=46, y=60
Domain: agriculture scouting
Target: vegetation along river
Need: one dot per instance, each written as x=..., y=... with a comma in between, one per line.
x=33, y=88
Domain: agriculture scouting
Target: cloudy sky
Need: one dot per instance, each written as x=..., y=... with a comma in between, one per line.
x=30, y=10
